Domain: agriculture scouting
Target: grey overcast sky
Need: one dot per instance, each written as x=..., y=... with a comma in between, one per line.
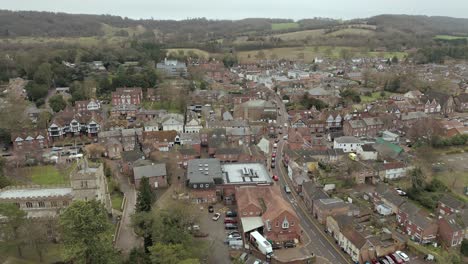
x=237, y=9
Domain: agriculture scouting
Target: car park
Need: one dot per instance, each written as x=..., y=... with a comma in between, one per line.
x=216, y=216
x=231, y=214
x=403, y=256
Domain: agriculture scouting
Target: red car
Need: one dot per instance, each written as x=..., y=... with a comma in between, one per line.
x=273, y=155
x=275, y=177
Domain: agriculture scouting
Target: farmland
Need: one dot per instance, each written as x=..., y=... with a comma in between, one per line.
x=300, y=35
x=309, y=53
x=284, y=26
x=449, y=37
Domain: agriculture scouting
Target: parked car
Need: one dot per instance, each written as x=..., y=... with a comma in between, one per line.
x=231, y=214
x=389, y=259
x=396, y=258
x=429, y=257
x=289, y=244
x=287, y=189
x=216, y=216
x=273, y=155
x=400, y=192
x=277, y=140
x=230, y=226
x=383, y=261
x=276, y=245
x=230, y=220
x=235, y=236
x=234, y=233
x=275, y=177
x=257, y=261
x=272, y=165
x=210, y=209
x=194, y=228
x=403, y=256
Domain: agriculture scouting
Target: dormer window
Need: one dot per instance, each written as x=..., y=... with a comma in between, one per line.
x=285, y=224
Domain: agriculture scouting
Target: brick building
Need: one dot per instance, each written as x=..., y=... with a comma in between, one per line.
x=127, y=96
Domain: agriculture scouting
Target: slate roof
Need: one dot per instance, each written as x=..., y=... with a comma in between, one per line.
x=452, y=202
x=154, y=170
x=203, y=170
x=348, y=140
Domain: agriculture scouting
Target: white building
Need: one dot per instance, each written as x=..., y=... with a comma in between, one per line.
x=173, y=122
x=367, y=152
x=347, y=143
x=193, y=126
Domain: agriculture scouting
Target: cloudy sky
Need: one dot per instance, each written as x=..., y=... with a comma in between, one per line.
x=236, y=9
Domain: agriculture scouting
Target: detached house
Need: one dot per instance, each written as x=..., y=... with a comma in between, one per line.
x=393, y=170
x=87, y=105
x=173, y=122
x=347, y=143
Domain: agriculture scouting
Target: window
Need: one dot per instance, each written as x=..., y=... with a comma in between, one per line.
x=53, y=203
x=285, y=224
x=292, y=223
x=29, y=205
x=277, y=223
x=194, y=186
x=207, y=185
x=41, y=204
x=65, y=203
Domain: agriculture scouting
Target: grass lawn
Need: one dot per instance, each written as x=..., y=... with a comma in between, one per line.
x=51, y=254
x=352, y=31
x=47, y=175
x=455, y=181
x=449, y=37
x=374, y=97
x=117, y=199
x=283, y=26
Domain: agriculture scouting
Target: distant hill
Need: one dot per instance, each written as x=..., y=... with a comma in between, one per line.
x=392, y=31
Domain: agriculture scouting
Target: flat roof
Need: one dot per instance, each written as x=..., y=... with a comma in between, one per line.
x=245, y=173
x=30, y=193
x=203, y=170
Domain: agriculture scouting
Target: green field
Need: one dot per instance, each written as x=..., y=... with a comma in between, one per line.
x=284, y=26
x=301, y=35
x=109, y=37
x=309, y=53
x=449, y=37
x=199, y=52
x=47, y=175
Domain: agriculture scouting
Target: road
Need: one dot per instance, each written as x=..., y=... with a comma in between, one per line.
x=320, y=244
x=126, y=239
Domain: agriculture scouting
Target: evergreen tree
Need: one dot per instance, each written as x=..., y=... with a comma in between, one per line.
x=145, y=196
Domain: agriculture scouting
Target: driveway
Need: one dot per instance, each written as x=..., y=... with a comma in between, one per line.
x=126, y=238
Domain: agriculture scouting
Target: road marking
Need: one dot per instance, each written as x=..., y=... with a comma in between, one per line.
x=321, y=242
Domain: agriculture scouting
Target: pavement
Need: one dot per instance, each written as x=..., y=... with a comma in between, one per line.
x=322, y=245
x=126, y=238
